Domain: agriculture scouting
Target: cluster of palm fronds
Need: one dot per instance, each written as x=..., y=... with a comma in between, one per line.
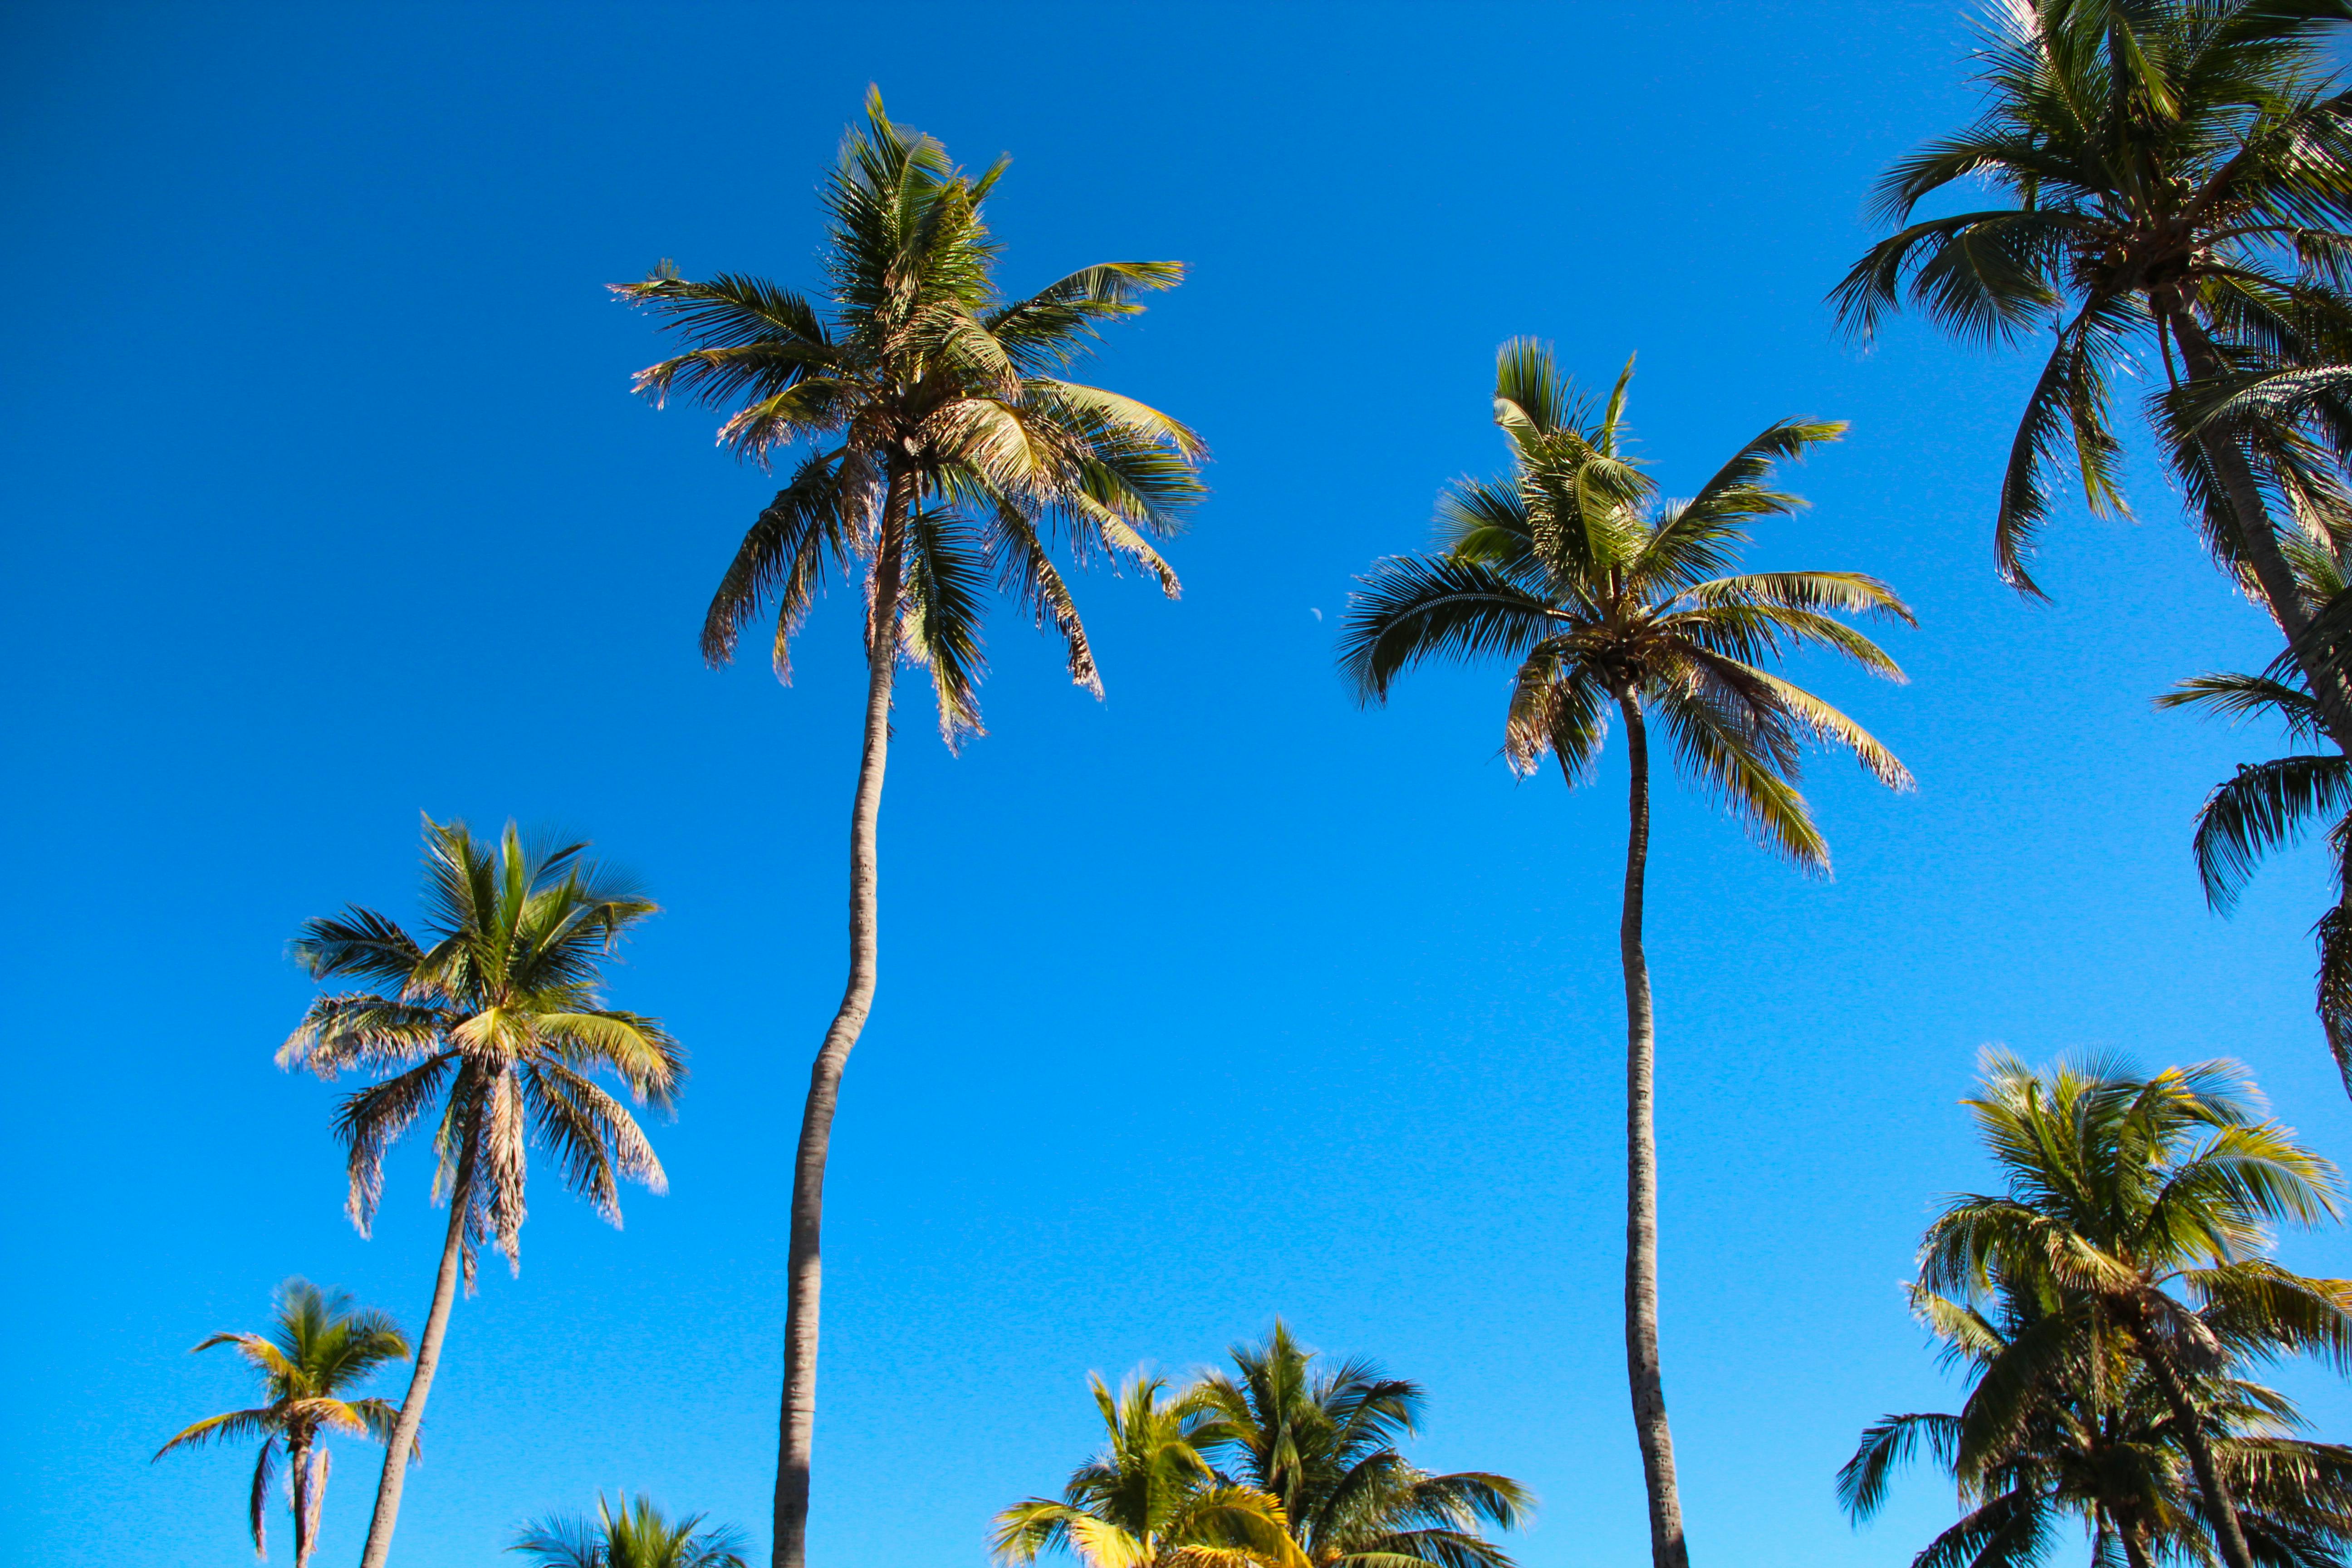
x=2173, y=191
x=1279, y=1463
x=2106, y=1308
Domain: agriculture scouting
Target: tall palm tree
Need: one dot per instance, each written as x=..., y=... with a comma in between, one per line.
x=2060, y=1421
x=319, y=1349
x=1324, y=1443
x=2173, y=173
x=495, y=1025
x=637, y=1536
x=940, y=453
x=1607, y=597
x=1151, y=1499
x=2124, y=1192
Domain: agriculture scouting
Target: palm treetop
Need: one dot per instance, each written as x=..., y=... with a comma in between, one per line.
x=1606, y=592
x=944, y=454
x=319, y=1345
x=1151, y=1498
x=498, y=1014
x=638, y=1534
x=1325, y=1442
x=2117, y=1186
x=2183, y=166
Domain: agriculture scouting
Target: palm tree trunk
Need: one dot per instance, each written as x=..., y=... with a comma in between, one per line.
x=2256, y=536
x=428, y=1360
x=796, y=1422
x=321, y=1459
x=2219, y=1505
x=297, y=1482
x=1667, y=1549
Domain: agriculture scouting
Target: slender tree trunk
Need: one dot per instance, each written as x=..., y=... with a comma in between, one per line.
x=298, y=1483
x=1667, y=1549
x=2134, y=1549
x=796, y=1422
x=2257, y=536
x=322, y=1460
x=428, y=1360
x=2218, y=1504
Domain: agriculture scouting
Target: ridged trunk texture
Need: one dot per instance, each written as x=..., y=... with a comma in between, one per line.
x=1667, y=1549
x=797, y=1421
x=2217, y=1501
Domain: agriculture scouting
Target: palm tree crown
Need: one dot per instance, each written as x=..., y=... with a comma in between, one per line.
x=943, y=451
x=2143, y=1207
x=495, y=1018
x=1324, y=1443
x=637, y=1535
x=1606, y=596
x=320, y=1348
x=2180, y=170
x=1151, y=1499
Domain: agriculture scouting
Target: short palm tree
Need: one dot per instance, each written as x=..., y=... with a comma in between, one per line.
x=2123, y=1193
x=2062, y=1422
x=637, y=1536
x=1607, y=598
x=1151, y=1499
x=2174, y=173
x=1324, y=1443
x=494, y=1026
x=942, y=454
x=320, y=1348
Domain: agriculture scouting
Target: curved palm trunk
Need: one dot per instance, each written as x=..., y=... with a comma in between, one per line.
x=2257, y=537
x=2217, y=1501
x=428, y=1360
x=796, y=1422
x=1666, y=1546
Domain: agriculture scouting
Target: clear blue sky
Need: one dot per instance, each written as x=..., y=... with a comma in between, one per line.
x=328, y=504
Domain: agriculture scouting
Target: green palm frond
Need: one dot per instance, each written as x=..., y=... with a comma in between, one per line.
x=945, y=455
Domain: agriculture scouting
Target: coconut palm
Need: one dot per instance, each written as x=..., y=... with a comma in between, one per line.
x=494, y=1026
x=639, y=1536
x=940, y=453
x=1324, y=1443
x=320, y=1348
x=2062, y=1422
x=1151, y=1499
x=1608, y=598
x=2173, y=173
x=2149, y=1201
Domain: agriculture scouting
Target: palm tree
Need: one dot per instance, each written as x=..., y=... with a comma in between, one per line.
x=639, y=1536
x=320, y=1347
x=495, y=1025
x=1607, y=597
x=1151, y=1499
x=1324, y=1443
x=942, y=454
x=2123, y=1191
x=2177, y=170
x=2060, y=1422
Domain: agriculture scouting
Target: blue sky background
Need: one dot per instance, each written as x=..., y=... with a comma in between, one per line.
x=327, y=505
